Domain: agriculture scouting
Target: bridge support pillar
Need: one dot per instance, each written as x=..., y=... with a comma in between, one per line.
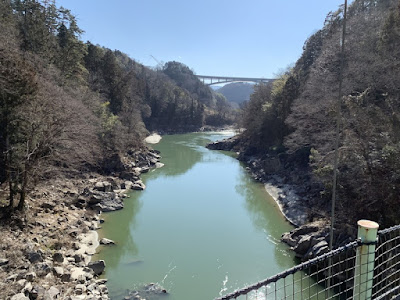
x=364, y=268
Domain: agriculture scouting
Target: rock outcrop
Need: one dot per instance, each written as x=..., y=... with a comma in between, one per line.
x=230, y=144
x=309, y=240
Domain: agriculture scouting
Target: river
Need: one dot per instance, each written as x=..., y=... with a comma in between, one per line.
x=201, y=228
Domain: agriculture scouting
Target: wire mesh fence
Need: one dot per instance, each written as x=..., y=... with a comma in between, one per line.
x=387, y=264
x=358, y=270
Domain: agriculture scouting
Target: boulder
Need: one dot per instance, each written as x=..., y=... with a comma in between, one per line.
x=153, y=161
x=226, y=145
x=80, y=289
x=3, y=261
x=321, y=250
x=287, y=238
x=42, y=269
x=78, y=274
x=31, y=276
x=78, y=257
x=80, y=202
x=138, y=185
x=34, y=257
x=305, y=229
x=137, y=171
x=110, y=204
x=154, y=155
x=303, y=245
x=105, y=201
x=83, y=297
x=148, y=291
x=95, y=198
x=12, y=277
x=97, y=266
x=126, y=185
x=49, y=277
x=105, y=241
x=58, y=257
x=58, y=271
x=321, y=244
x=52, y=293
x=101, y=281
x=159, y=165
x=66, y=277
x=103, y=186
x=154, y=288
x=37, y=292
x=115, y=183
x=103, y=288
x=27, y=288
x=145, y=169
x=19, y=296
x=22, y=282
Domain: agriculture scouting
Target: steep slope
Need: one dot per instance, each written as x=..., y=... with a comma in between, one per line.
x=293, y=120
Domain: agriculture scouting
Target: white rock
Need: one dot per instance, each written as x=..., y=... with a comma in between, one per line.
x=19, y=296
x=28, y=287
x=153, y=139
x=80, y=289
x=53, y=292
x=78, y=274
x=159, y=165
x=105, y=241
x=58, y=271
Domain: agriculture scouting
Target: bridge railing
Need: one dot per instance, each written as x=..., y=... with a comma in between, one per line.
x=210, y=80
x=367, y=268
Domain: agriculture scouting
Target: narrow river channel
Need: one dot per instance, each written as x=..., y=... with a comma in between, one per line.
x=201, y=228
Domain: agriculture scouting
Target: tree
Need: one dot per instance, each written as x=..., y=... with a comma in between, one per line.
x=71, y=49
x=17, y=88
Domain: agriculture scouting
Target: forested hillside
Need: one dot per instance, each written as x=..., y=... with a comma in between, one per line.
x=67, y=105
x=237, y=92
x=293, y=119
x=218, y=111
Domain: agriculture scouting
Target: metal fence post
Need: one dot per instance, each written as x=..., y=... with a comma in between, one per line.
x=364, y=268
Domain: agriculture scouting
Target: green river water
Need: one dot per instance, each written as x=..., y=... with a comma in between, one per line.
x=201, y=228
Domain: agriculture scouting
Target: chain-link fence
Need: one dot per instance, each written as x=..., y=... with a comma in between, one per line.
x=368, y=268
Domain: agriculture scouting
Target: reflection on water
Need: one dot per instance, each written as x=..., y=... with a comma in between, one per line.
x=202, y=227
x=120, y=232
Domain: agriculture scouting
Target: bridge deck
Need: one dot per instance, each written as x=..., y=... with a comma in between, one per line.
x=225, y=79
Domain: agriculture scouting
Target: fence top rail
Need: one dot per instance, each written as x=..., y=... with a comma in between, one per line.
x=388, y=230
x=291, y=271
x=312, y=262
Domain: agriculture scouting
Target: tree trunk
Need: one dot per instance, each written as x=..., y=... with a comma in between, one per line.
x=8, y=167
x=22, y=192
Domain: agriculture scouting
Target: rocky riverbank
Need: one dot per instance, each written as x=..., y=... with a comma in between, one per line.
x=288, y=182
x=46, y=250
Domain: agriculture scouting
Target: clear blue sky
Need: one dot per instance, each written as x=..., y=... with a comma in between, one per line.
x=252, y=38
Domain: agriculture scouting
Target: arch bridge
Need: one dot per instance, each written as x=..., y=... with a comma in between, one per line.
x=210, y=80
